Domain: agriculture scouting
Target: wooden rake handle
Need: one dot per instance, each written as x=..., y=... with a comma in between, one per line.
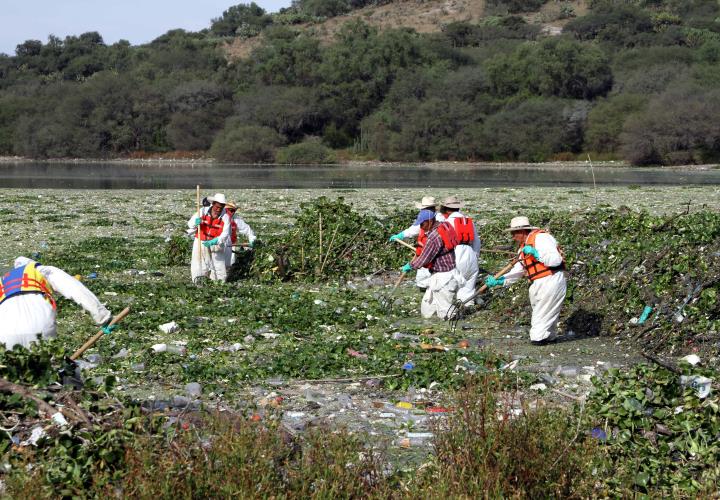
x=502, y=271
x=87, y=345
x=406, y=245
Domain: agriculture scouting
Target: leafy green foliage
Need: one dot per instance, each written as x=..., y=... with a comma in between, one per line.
x=246, y=144
x=308, y=152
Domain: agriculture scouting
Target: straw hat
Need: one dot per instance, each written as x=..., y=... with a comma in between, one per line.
x=519, y=224
x=452, y=202
x=427, y=201
x=231, y=204
x=219, y=198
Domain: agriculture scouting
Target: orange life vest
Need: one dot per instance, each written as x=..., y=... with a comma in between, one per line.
x=421, y=240
x=449, y=238
x=534, y=269
x=210, y=228
x=464, y=230
x=25, y=279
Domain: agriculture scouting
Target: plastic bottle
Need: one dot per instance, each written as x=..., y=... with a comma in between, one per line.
x=170, y=349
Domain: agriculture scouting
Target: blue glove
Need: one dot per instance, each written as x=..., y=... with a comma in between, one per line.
x=198, y=221
x=492, y=281
x=210, y=243
x=108, y=329
x=399, y=236
x=252, y=244
x=530, y=250
x=406, y=268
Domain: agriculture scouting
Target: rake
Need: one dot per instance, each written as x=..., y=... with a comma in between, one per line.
x=386, y=301
x=454, y=313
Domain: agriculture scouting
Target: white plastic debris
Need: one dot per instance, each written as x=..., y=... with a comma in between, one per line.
x=538, y=387
x=171, y=327
x=693, y=359
x=510, y=366
x=172, y=349
x=701, y=385
x=36, y=435
x=59, y=419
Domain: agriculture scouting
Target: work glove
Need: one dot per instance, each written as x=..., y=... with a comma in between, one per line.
x=198, y=221
x=406, y=268
x=108, y=329
x=210, y=243
x=399, y=236
x=252, y=244
x=530, y=250
x=492, y=281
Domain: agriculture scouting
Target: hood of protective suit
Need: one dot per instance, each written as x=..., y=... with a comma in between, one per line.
x=22, y=262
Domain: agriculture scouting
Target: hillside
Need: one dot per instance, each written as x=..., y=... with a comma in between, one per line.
x=421, y=16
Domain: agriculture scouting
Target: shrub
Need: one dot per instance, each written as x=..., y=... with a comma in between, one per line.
x=606, y=119
x=307, y=152
x=246, y=143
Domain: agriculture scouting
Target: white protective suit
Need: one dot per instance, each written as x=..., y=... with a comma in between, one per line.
x=466, y=262
x=546, y=294
x=23, y=317
x=422, y=276
x=242, y=228
x=209, y=261
x=440, y=293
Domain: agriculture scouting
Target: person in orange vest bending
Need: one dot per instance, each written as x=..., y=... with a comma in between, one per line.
x=27, y=305
x=237, y=226
x=208, y=257
x=468, y=249
x=542, y=262
x=422, y=277
x=438, y=256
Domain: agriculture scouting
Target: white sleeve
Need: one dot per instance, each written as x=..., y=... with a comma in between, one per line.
x=226, y=228
x=72, y=289
x=546, y=246
x=514, y=274
x=477, y=244
x=244, y=229
x=191, y=222
x=411, y=232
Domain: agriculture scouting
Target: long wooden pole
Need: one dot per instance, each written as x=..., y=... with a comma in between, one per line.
x=87, y=345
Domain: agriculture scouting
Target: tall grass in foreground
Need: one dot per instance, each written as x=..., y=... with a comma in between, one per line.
x=482, y=450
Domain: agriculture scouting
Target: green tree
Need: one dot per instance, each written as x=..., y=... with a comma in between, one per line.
x=606, y=119
x=245, y=20
x=246, y=143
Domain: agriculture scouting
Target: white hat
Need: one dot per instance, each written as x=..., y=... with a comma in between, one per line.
x=427, y=201
x=219, y=198
x=452, y=202
x=520, y=223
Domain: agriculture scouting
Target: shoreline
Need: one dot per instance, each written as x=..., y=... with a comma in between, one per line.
x=208, y=162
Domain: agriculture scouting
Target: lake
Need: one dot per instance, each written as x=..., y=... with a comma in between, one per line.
x=180, y=176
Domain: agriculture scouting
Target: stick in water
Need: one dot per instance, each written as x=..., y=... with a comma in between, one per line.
x=87, y=345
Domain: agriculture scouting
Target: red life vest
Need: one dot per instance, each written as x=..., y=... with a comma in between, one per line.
x=464, y=230
x=210, y=228
x=534, y=269
x=449, y=238
x=25, y=279
x=421, y=240
x=233, y=231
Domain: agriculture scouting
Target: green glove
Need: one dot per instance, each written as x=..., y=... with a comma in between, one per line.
x=252, y=244
x=492, y=281
x=198, y=221
x=399, y=236
x=406, y=268
x=530, y=250
x=108, y=329
x=210, y=243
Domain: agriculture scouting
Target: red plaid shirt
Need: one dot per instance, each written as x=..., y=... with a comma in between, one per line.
x=434, y=251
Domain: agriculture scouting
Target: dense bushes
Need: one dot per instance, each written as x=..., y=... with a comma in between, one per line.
x=308, y=152
x=395, y=94
x=246, y=144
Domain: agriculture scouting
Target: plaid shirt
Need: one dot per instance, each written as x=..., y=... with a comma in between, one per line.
x=435, y=252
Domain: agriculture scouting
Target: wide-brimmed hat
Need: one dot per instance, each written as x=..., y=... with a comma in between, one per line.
x=427, y=201
x=219, y=198
x=424, y=215
x=231, y=204
x=452, y=202
x=519, y=224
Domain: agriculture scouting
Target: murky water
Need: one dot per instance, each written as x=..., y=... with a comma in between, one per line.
x=125, y=176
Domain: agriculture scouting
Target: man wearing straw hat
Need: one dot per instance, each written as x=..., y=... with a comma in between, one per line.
x=208, y=257
x=542, y=262
x=468, y=249
x=237, y=226
x=422, y=278
x=438, y=256
x=27, y=304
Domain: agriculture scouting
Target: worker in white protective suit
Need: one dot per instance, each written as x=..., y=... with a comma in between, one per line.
x=468, y=248
x=211, y=228
x=438, y=257
x=422, y=277
x=237, y=226
x=542, y=262
x=27, y=305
